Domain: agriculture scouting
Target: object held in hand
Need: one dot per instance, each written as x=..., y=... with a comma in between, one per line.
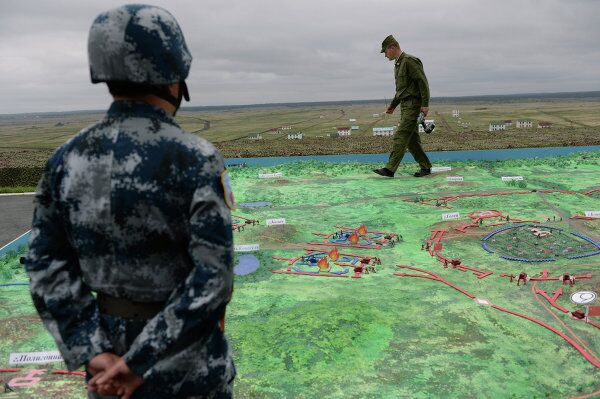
x=427, y=127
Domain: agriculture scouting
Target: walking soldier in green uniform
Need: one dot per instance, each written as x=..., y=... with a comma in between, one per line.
x=412, y=93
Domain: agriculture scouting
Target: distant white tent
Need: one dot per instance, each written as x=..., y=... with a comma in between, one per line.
x=384, y=131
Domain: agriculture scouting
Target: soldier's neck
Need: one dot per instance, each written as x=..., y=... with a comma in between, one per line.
x=150, y=99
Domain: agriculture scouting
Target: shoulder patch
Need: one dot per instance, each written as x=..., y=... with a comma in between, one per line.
x=227, y=191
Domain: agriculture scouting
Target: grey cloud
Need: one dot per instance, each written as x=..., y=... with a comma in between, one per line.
x=271, y=51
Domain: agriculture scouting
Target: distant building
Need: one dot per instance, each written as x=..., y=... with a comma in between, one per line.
x=508, y=122
x=354, y=127
x=285, y=127
x=421, y=130
x=375, y=115
x=544, y=125
x=455, y=113
x=295, y=136
x=352, y=120
x=257, y=136
x=524, y=124
x=384, y=131
x=497, y=125
x=273, y=131
x=343, y=131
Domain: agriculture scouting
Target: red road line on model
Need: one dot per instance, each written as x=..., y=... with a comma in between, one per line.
x=414, y=275
x=308, y=274
x=79, y=373
x=341, y=254
x=295, y=259
x=557, y=278
x=586, y=355
x=586, y=396
x=245, y=218
x=582, y=217
x=547, y=278
x=593, y=324
x=327, y=244
x=579, y=348
x=562, y=323
x=436, y=277
x=550, y=300
x=291, y=261
x=454, y=198
x=465, y=227
x=479, y=273
x=558, y=191
x=368, y=231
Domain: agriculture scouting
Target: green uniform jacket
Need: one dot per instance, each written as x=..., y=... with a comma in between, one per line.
x=411, y=81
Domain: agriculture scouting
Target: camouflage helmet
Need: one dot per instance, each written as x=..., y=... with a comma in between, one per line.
x=139, y=44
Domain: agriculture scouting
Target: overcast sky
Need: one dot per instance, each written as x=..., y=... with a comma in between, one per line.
x=265, y=51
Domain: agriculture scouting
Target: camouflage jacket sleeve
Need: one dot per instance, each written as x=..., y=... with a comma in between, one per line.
x=62, y=299
x=196, y=305
x=416, y=72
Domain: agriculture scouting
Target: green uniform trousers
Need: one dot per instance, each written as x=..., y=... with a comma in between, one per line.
x=407, y=137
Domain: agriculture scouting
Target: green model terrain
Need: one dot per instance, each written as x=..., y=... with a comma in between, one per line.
x=387, y=336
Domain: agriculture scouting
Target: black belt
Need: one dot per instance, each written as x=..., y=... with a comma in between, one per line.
x=121, y=307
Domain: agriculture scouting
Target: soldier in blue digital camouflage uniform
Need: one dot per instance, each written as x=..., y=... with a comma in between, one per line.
x=138, y=211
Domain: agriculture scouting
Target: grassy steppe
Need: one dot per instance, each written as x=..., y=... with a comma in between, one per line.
x=28, y=140
x=383, y=336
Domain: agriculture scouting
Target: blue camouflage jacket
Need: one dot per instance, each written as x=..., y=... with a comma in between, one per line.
x=135, y=207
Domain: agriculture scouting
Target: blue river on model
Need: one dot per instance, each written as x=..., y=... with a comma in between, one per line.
x=487, y=155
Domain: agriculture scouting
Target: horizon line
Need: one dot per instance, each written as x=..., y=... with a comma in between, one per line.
x=266, y=105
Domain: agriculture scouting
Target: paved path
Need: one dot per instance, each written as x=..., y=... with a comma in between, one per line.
x=15, y=216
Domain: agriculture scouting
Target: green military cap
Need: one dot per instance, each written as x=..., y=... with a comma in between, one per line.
x=386, y=42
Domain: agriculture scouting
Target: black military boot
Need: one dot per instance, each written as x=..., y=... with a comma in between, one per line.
x=384, y=172
x=423, y=172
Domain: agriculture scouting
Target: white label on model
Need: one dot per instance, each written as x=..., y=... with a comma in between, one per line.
x=275, y=222
x=583, y=297
x=509, y=178
x=269, y=175
x=34, y=357
x=441, y=168
x=592, y=214
x=450, y=216
x=455, y=178
x=246, y=247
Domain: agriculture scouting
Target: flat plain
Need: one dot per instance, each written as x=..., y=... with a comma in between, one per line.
x=28, y=139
